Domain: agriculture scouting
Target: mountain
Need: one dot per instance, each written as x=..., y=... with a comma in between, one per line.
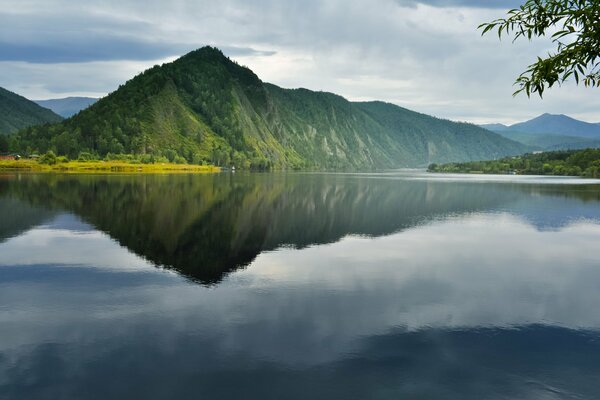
x=67, y=106
x=204, y=107
x=559, y=125
x=551, y=132
x=16, y=112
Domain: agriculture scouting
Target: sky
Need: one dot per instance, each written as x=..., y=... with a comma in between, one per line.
x=424, y=55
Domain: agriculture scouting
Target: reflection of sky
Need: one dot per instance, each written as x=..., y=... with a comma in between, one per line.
x=466, y=304
x=66, y=240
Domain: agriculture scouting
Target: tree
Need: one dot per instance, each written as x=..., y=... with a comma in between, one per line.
x=574, y=26
x=3, y=143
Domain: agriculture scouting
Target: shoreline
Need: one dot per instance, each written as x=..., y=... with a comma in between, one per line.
x=75, y=167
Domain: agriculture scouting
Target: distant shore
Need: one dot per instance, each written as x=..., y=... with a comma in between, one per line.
x=584, y=163
x=104, y=167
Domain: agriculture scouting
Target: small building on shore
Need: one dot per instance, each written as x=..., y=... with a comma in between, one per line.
x=10, y=157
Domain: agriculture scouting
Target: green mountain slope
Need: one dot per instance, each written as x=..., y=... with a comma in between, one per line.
x=16, y=112
x=205, y=108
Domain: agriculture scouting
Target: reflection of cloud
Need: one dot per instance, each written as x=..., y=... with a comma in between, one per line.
x=79, y=245
x=498, y=272
x=450, y=309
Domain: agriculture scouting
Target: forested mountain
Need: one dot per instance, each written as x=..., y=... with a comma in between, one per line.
x=67, y=106
x=203, y=107
x=16, y=112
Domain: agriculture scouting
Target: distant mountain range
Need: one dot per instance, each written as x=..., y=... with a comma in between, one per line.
x=68, y=106
x=204, y=107
x=17, y=112
x=551, y=132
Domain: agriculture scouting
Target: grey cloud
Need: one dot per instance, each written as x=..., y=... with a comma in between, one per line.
x=96, y=49
x=106, y=49
x=430, y=58
x=506, y=4
x=72, y=38
x=245, y=51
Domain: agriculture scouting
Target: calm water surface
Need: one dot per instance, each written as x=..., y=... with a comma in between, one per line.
x=299, y=286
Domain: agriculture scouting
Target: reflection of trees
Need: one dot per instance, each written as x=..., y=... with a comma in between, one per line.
x=206, y=226
x=17, y=216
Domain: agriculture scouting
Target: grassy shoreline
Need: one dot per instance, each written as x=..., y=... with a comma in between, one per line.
x=103, y=167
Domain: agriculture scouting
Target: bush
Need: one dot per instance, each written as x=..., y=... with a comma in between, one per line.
x=85, y=156
x=147, y=159
x=170, y=155
x=592, y=172
x=179, y=160
x=119, y=157
x=49, y=158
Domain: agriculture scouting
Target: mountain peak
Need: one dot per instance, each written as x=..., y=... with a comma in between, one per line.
x=553, y=116
x=211, y=60
x=206, y=52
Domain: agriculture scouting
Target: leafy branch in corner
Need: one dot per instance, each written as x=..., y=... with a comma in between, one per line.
x=574, y=26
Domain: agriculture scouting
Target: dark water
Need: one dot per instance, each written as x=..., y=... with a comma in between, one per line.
x=299, y=286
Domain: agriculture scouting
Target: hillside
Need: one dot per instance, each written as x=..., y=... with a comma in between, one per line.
x=68, y=106
x=16, y=112
x=205, y=108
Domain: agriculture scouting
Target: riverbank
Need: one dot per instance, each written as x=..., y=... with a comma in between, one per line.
x=103, y=167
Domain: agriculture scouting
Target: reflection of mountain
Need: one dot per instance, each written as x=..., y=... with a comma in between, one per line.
x=206, y=226
x=17, y=217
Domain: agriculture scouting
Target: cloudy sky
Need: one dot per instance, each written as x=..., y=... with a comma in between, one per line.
x=425, y=55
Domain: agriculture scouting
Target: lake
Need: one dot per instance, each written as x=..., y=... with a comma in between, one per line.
x=299, y=286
